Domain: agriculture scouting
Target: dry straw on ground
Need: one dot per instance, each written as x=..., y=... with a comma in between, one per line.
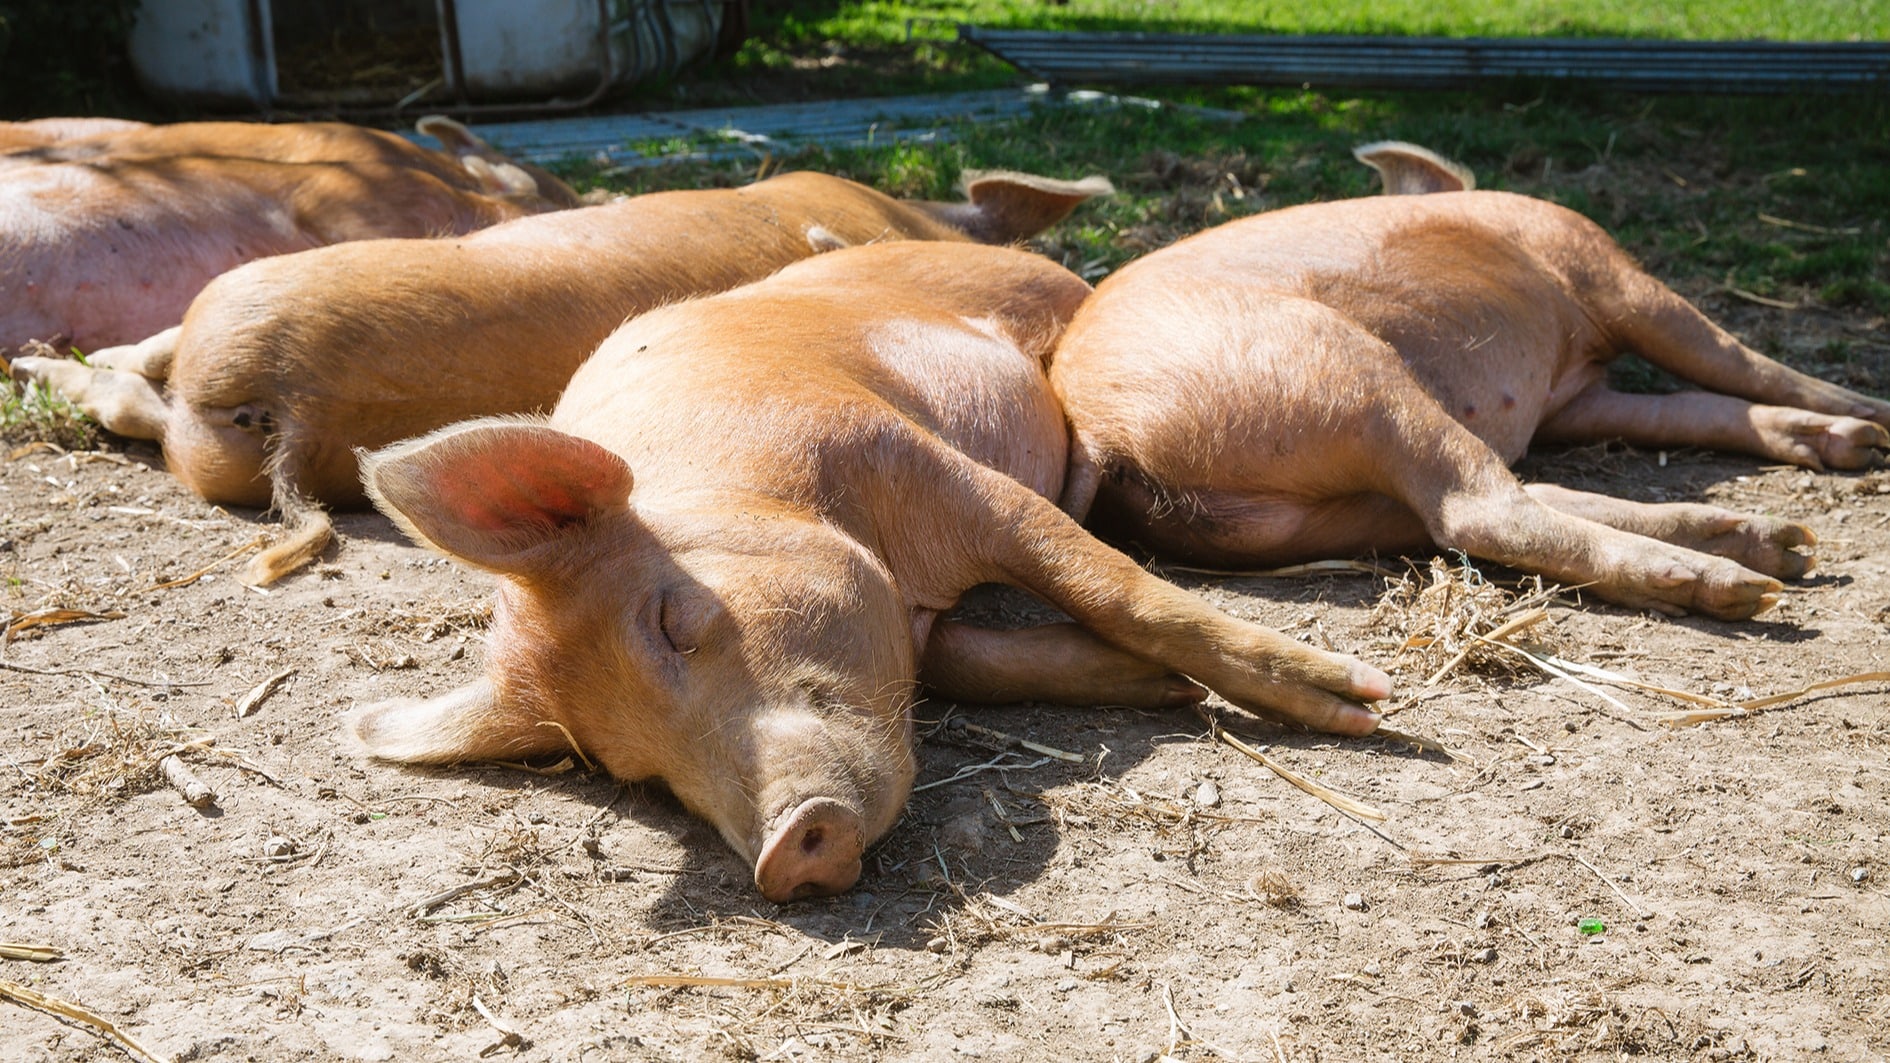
x=1443, y=620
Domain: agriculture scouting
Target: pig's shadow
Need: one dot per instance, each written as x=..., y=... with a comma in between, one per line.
x=369, y=524
x=987, y=815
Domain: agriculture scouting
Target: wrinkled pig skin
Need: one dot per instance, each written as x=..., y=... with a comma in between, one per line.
x=723, y=557
x=284, y=366
x=1340, y=378
x=106, y=238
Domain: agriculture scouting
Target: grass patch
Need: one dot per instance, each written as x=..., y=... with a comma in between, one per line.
x=30, y=413
x=1785, y=198
x=876, y=22
x=815, y=48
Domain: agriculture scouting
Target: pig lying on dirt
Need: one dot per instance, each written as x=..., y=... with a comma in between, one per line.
x=1355, y=376
x=282, y=367
x=105, y=239
x=724, y=556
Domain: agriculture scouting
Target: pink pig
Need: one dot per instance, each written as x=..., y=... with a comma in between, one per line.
x=723, y=558
x=1339, y=378
x=105, y=239
x=284, y=366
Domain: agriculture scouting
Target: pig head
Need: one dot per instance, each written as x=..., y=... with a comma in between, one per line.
x=761, y=667
x=723, y=558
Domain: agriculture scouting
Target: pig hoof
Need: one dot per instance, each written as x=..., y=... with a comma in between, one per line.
x=29, y=369
x=1730, y=591
x=1693, y=583
x=1821, y=441
x=814, y=853
x=1777, y=548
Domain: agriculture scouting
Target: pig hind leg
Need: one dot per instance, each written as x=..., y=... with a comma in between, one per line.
x=125, y=403
x=1778, y=548
x=220, y=452
x=1719, y=422
x=1795, y=417
x=1469, y=500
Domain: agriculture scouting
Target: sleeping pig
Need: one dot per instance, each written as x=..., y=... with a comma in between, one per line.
x=284, y=366
x=106, y=238
x=1339, y=378
x=722, y=559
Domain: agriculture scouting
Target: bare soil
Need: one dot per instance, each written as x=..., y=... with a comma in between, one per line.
x=1113, y=908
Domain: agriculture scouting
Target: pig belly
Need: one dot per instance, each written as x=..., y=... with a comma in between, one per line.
x=1237, y=433
x=83, y=263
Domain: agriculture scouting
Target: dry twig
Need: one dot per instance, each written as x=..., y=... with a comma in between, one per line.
x=19, y=622
x=1337, y=800
x=25, y=997
x=10, y=950
x=253, y=700
x=184, y=581
x=196, y=793
x=1688, y=717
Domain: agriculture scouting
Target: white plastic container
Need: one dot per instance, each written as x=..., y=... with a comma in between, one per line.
x=536, y=49
x=212, y=52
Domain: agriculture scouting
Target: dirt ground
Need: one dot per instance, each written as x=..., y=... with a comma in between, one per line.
x=1112, y=907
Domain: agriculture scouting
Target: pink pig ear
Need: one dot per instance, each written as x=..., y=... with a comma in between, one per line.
x=492, y=492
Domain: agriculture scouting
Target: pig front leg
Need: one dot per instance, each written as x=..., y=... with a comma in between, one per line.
x=1651, y=319
x=150, y=358
x=1007, y=533
x=125, y=403
x=1062, y=664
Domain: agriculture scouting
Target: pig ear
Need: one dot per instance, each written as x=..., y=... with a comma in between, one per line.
x=495, y=173
x=492, y=493
x=467, y=724
x=499, y=178
x=1007, y=207
x=823, y=239
x=1410, y=170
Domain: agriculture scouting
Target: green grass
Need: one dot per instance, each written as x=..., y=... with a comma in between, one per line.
x=885, y=22
x=848, y=45
x=1682, y=181
x=30, y=413
x=1785, y=198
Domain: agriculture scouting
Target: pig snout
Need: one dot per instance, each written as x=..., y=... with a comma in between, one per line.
x=829, y=784
x=815, y=852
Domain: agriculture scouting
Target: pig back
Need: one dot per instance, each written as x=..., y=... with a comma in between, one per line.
x=807, y=379
x=369, y=342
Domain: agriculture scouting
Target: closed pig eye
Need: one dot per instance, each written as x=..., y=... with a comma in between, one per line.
x=670, y=623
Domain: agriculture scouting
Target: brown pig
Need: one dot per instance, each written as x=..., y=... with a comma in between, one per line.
x=723, y=557
x=39, y=132
x=467, y=162
x=282, y=367
x=1346, y=377
x=105, y=239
